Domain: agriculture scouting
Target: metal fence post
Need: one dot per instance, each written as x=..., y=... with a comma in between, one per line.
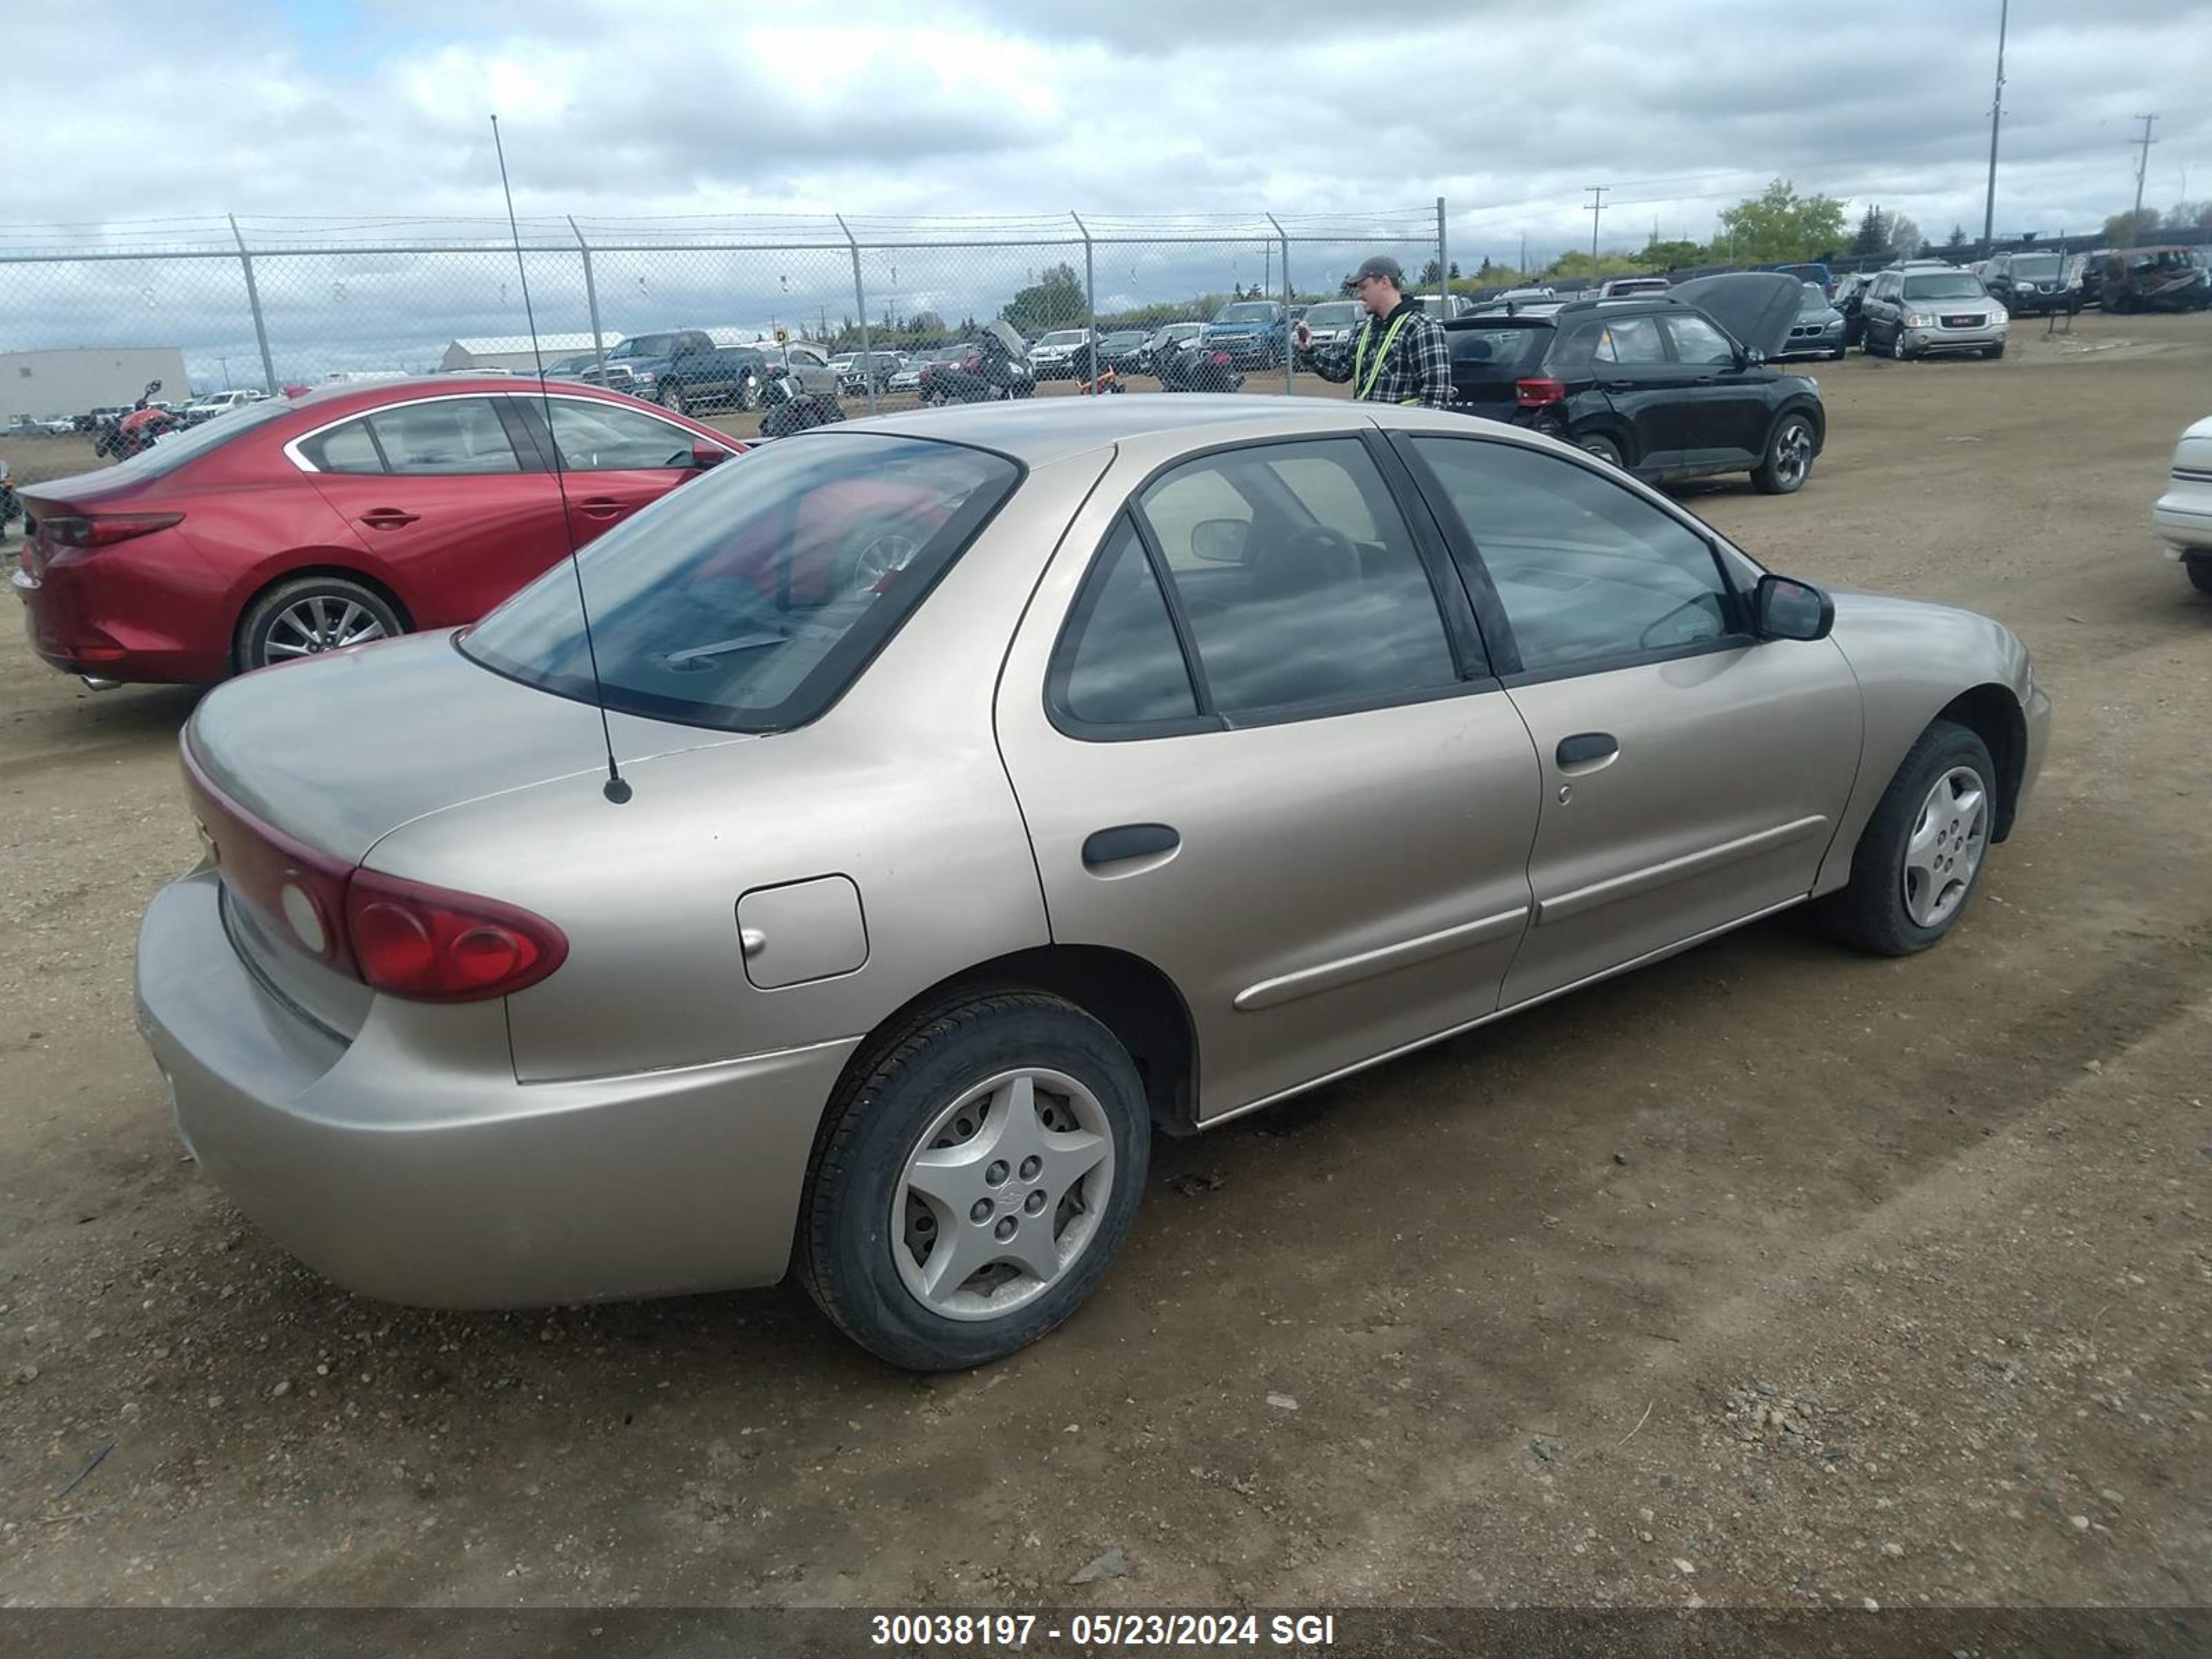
x=1443, y=265
x=254, y=304
x=860, y=304
x=1089, y=301
x=592, y=301
x=1289, y=355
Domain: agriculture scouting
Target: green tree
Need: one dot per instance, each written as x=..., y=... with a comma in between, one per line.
x=1956, y=242
x=1873, y=236
x=1670, y=256
x=1054, y=301
x=1778, y=225
x=2125, y=229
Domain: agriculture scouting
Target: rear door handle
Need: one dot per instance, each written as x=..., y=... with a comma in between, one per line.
x=1128, y=841
x=599, y=507
x=1585, y=747
x=387, y=518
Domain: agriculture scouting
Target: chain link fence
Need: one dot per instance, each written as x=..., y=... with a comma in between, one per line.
x=91, y=316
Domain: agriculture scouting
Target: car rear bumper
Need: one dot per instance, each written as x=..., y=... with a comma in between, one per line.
x=88, y=622
x=408, y=1164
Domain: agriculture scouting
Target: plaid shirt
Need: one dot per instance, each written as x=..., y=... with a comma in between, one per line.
x=1417, y=368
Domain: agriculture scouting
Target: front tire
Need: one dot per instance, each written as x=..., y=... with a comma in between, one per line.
x=1788, y=462
x=1897, y=351
x=2200, y=573
x=748, y=394
x=671, y=397
x=1920, y=859
x=975, y=1181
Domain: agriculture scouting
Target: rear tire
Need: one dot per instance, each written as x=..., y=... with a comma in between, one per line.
x=671, y=397
x=870, y=1225
x=2200, y=573
x=1601, y=447
x=1871, y=912
x=311, y=616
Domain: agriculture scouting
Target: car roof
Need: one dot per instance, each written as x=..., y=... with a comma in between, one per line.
x=1039, y=430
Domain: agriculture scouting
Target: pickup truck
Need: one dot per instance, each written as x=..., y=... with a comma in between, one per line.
x=681, y=369
x=1252, y=332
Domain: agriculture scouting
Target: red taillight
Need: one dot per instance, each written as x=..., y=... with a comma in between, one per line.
x=1221, y=360
x=1534, y=394
x=84, y=531
x=431, y=946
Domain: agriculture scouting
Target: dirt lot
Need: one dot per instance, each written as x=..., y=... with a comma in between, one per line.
x=1772, y=1274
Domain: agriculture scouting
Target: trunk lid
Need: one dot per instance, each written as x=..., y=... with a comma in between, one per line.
x=295, y=772
x=1490, y=357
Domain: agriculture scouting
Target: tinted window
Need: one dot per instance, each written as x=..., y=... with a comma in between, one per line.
x=1630, y=340
x=347, y=448
x=1697, y=341
x=1301, y=581
x=608, y=438
x=1123, y=664
x=1585, y=570
x=449, y=435
x=175, y=451
x=1493, y=352
x=749, y=599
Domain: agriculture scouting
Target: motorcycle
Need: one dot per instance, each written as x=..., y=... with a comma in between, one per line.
x=785, y=410
x=1194, y=366
x=130, y=435
x=996, y=365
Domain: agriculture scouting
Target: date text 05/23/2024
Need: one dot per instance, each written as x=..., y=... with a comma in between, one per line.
x=1281, y=1631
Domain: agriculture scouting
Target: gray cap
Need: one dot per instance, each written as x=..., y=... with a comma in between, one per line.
x=1378, y=264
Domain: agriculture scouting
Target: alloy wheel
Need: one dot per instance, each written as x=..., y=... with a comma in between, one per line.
x=1002, y=1194
x=1793, y=452
x=317, y=624
x=1948, y=839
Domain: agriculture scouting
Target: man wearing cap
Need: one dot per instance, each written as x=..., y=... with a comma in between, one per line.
x=1397, y=356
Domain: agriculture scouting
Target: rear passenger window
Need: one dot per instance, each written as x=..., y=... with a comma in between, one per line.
x=447, y=434
x=1300, y=580
x=1630, y=340
x=1125, y=666
x=347, y=448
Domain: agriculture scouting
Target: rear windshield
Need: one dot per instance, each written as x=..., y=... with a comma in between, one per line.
x=1945, y=285
x=1264, y=313
x=748, y=601
x=1494, y=354
x=193, y=442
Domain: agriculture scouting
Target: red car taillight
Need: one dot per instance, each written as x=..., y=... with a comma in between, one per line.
x=1534, y=394
x=85, y=531
x=402, y=937
x=431, y=946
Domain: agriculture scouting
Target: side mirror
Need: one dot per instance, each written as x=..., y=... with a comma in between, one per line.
x=1783, y=609
x=1221, y=540
x=704, y=454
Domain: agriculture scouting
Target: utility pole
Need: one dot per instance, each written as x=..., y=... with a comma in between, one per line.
x=1523, y=266
x=2142, y=165
x=1997, y=112
x=1596, y=207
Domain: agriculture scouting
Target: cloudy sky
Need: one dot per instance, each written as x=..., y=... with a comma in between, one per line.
x=345, y=111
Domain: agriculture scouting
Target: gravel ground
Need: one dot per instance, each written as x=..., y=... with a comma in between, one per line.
x=1771, y=1275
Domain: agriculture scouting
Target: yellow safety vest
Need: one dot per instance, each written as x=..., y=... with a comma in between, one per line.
x=1359, y=353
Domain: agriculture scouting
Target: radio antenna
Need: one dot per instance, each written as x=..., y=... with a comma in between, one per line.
x=616, y=789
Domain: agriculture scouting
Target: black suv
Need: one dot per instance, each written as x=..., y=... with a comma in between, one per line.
x=1669, y=387
x=2032, y=281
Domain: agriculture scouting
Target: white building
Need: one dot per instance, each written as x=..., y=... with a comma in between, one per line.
x=512, y=353
x=72, y=379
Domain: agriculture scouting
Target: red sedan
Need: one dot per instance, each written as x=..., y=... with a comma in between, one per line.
x=305, y=524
